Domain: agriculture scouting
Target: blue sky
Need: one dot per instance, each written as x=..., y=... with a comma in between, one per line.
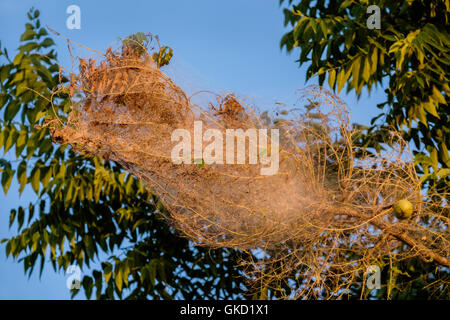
x=222, y=46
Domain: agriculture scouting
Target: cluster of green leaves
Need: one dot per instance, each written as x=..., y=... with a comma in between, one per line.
x=90, y=212
x=410, y=53
x=142, y=41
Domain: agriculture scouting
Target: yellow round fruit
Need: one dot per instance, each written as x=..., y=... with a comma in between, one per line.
x=403, y=209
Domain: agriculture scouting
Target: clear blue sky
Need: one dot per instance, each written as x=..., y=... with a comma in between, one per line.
x=230, y=46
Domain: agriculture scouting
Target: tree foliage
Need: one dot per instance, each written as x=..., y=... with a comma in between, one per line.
x=410, y=54
x=88, y=211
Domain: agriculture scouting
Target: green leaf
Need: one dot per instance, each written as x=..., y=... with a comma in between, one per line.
x=35, y=179
x=324, y=28
x=374, y=60
x=48, y=42
x=5, y=72
x=21, y=142
x=42, y=32
x=3, y=99
x=423, y=159
x=430, y=108
x=12, y=216
x=7, y=176
x=151, y=269
x=20, y=217
x=366, y=70
x=28, y=35
x=443, y=173
x=438, y=96
x=46, y=176
x=107, y=271
x=342, y=78
x=22, y=176
x=87, y=286
x=29, y=46
x=138, y=223
x=118, y=276
x=8, y=249
x=356, y=68
x=30, y=212
x=11, y=110
x=11, y=139
x=34, y=240
x=332, y=78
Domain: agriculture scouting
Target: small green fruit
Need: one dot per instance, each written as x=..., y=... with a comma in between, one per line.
x=403, y=209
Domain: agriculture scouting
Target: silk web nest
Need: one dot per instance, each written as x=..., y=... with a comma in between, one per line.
x=313, y=226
